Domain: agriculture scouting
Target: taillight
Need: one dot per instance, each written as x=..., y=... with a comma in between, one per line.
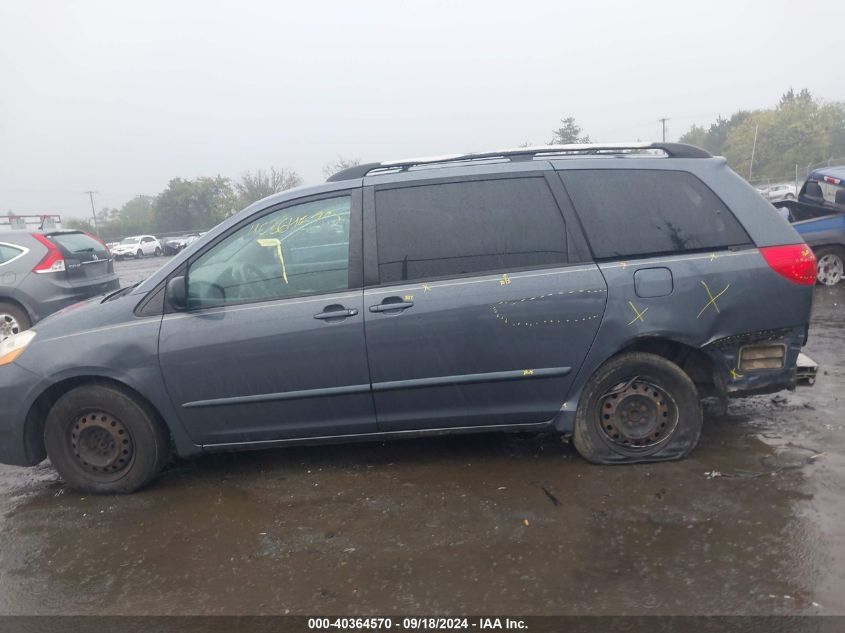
x=796, y=262
x=53, y=261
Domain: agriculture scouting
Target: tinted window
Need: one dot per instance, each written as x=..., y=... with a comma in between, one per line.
x=644, y=212
x=8, y=253
x=468, y=227
x=77, y=242
x=298, y=250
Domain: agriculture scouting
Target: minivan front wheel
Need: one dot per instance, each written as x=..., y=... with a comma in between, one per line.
x=637, y=407
x=102, y=440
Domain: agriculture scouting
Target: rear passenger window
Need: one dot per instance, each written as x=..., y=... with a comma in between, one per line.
x=629, y=212
x=8, y=253
x=463, y=228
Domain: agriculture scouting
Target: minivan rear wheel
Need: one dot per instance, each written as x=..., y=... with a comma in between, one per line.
x=637, y=407
x=13, y=320
x=102, y=440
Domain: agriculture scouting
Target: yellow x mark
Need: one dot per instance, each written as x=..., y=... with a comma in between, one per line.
x=712, y=300
x=638, y=315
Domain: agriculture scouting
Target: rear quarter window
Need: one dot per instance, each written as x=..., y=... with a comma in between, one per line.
x=8, y=253
x=632, y=212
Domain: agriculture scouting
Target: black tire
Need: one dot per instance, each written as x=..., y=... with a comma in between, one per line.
x=158, y=252
x=139, y=254
x=13, y=320
x=102, y=440
x=637, y=407
x=830, y=266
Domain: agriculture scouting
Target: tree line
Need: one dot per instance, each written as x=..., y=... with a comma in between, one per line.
x=799, y=130
x=194, y=205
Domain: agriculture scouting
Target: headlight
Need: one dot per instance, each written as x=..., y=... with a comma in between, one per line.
x=14, y=346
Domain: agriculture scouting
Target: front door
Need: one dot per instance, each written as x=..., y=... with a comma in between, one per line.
x=271, y=346
x=478, y=317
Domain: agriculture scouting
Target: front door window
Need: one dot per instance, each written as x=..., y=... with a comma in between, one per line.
x=298, y=250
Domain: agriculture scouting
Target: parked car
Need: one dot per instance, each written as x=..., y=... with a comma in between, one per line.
x=774, y=193
x=597, y=291
x=173, y=245
x=41, y=273
x=137, y=246
x=819, y=216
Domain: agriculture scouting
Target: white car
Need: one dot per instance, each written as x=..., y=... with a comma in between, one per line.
x=137, y=246
x=779, y=192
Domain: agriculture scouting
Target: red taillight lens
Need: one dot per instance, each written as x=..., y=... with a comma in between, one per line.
x=53, y=261
x=796, y=262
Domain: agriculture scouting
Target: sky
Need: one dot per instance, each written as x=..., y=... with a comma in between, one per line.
x=120, y=97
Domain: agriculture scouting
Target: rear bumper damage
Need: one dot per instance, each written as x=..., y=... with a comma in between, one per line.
x=761, y=362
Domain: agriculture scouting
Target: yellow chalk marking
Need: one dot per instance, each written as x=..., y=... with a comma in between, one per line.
x=713, y=256
x=272, y=242
x=735, y=374
x=505, y=280
x=638, y=316
x=426, y=288
x=624, y=265
x=409, y=297
x=712, y=300
x=527, y=372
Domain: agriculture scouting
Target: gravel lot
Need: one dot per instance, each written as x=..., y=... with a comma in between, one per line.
x=752, y=523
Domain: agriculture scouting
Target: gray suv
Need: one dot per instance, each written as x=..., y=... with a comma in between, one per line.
x=598, y=291
x=43, y=272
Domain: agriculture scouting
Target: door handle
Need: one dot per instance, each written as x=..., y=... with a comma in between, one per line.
x=392, y=304
x=336, y=312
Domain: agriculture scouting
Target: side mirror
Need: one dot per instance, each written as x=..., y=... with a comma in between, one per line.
x=177, y=293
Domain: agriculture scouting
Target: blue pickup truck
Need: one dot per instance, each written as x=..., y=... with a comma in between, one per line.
x=819, y=216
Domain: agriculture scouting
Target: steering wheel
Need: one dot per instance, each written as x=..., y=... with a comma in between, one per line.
x=252, y=283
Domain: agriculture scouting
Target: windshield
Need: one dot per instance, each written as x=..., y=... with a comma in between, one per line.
x=131, y=240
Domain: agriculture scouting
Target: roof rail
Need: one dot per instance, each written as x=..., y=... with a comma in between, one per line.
x=671, y=150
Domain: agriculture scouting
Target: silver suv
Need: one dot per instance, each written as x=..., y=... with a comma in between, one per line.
x=41, y=273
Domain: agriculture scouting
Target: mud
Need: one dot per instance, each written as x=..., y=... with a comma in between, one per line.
x=752, y=523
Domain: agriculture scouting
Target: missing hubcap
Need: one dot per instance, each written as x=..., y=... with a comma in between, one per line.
x=100, y=443
x=637, y=415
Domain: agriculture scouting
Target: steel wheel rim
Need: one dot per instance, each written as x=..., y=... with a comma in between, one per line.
x=9, y=326
x=637, y=415
x=830, y=269
x=100, y=444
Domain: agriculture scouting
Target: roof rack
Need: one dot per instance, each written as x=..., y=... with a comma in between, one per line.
x=670, y=150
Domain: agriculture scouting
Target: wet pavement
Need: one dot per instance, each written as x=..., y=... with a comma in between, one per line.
x=752, y=523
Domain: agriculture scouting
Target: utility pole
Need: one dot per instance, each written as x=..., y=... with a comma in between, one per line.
x=753, y=149
x=663, y=122
x=93, y=212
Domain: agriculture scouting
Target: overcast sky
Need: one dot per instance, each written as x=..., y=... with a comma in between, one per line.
x=120, y=97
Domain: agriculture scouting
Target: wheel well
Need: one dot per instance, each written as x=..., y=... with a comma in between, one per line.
x=37, y=416
x=17, y=304
x=695, y=363
x=829, y=247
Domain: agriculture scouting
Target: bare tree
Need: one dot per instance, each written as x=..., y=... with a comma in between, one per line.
x=340, y=164
x=258, y=184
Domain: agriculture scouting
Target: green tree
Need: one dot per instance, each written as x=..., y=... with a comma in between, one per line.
x=193, y=205
x=78, y=225
x=799, y=130
x=259, y=184
x=569, y=132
